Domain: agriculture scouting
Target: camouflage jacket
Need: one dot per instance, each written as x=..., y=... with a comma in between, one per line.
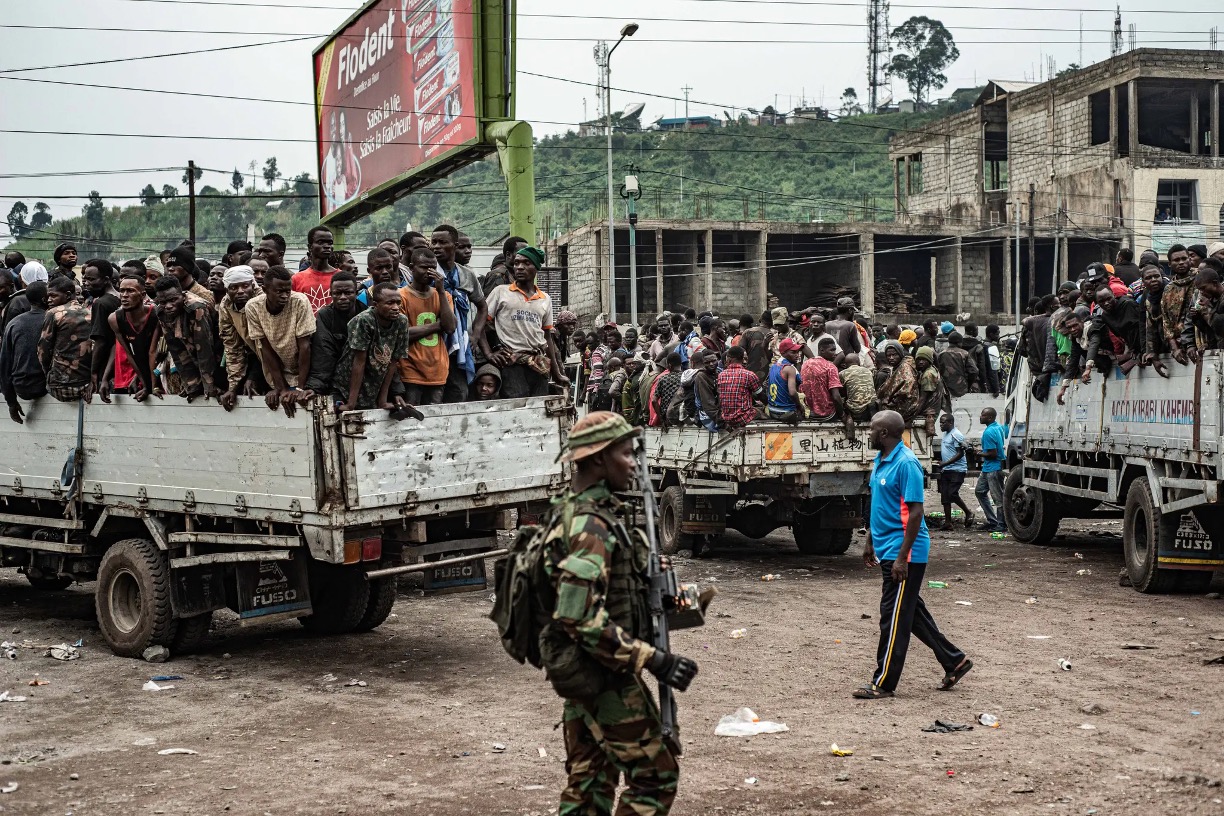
x=600, y=583
x=192, y=345
x=64, y=348
x=1174, y=304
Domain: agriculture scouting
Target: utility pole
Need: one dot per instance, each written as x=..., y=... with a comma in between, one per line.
x=686, y=90
x=632, y=191
x=191, y=210
x=1016, y=257
x=1032, y=242
x=877, y=50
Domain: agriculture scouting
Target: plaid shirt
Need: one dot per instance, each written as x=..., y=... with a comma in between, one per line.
x=736, y=387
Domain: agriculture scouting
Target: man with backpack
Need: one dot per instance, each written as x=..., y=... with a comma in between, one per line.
x=594, y=634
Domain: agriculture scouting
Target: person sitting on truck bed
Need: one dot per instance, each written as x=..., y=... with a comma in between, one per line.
x=331, y=330
x=64, y=348
x=21, y=373
x=705, y=390
x=900, y=391
x=957, y=368
x=738, y=391
x=486, y=385
x=1119, y=318
x=932, y=391
x=281, y=323
x=784, y=381
x=522, y=315
x=859, y=383
x=681, y=409
x=1035, y=329
x=1175, y=301
x=1206, y=322
x=187, y=328
x=367, y=374
x=243, y=372
x=135, y=327
x=430, y=312
x=1153, y=282
x=822, y=388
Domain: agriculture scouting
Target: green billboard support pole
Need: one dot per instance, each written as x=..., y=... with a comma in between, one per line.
x=337, y=231
x=514, y=151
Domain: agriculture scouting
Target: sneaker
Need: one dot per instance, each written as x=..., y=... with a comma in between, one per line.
x=987, y=527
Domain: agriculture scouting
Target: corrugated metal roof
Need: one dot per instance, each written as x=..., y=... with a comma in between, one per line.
x=1001, y=87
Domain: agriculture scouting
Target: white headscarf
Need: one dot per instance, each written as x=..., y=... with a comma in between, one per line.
x=33, y=271
x=238, y=274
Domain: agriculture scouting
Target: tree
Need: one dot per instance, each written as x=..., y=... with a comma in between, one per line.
x=42, y=215
x=17, y=220
x=270, y=172
x=198, y=174
x=1070, y=69
x=307, y=191
x=236, y=181
x=849, y=103
x=149, y=196
x=169, y=192
x=95, y=214
x=929, y=49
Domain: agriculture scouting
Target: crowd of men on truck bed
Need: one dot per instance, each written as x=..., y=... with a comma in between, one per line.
x=422, y=328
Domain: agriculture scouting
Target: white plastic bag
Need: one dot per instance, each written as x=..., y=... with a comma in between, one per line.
x=745, y=723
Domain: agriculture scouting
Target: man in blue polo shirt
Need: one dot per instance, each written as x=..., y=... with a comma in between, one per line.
x=898, y=542
x=990, y=482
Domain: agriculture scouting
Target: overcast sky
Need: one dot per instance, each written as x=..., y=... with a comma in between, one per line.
x=732, y=53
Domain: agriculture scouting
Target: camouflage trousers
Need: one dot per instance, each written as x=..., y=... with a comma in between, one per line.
x=617, y=733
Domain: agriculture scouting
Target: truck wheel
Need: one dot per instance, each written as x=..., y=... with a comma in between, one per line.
x=133, y=597
x=191, y=633
x=1144, y=529
x=671, y=513
x=382, y=598
x=49, y=583
x=811, y=539
x=338, y=595
x=1031, y=514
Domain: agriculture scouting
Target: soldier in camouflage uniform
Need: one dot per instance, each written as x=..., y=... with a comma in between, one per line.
x=602, y=605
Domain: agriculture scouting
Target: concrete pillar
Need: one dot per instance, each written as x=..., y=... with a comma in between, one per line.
x=1215, y=119
x=959, y=276
x=897, y=187
x=762, y=287
x=1064, y=263
x=866, y=242
x=1132, y=110
x=1194, y=122
x=709, y=270
x=659, y=307
x=1113, y=122
x=1008, y=275
x=690, y=274
x=601, y=267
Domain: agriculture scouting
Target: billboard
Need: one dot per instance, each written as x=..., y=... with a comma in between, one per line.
x=397, y=101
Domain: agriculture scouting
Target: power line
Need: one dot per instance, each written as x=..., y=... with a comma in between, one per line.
x=151, y=56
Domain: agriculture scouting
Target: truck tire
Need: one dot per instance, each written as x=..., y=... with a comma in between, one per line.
x=133, y=597
x=1031, y=514
x=671, y=513
x=1144, y=529
x=190, y=634
x=49, y=583
x=811, y=539
x=382, y=598
x=338, y=596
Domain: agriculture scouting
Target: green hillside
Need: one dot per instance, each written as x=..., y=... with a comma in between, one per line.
x=823, y=170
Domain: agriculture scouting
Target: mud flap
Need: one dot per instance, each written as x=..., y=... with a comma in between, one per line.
x=196, y=590
x=267, y=588
x=1193, y=545
x=704, y=515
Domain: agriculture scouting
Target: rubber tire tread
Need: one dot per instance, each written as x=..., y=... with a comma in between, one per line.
x=1156, y=581
x=811, y=539
x=383, y=592
x=672, y=501
x=191, y=634
x=1041, y=531
x=152, y=570
x=338, y=595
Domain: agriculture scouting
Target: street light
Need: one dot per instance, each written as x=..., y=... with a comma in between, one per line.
x=631, y=190
x=628, y=31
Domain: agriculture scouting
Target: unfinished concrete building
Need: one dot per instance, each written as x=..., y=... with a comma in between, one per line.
x=1122, y=153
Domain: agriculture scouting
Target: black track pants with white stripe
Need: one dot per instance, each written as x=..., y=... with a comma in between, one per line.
x=902, y=612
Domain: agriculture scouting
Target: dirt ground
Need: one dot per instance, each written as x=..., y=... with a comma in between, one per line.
x=278, y=731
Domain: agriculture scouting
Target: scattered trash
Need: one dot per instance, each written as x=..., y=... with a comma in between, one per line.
x=156, y=654
x=151, y=686
x=988, y=720
x=1124, y=578
x=174, y=751
x=145, y=741
x=74, y=777
x=879, y=757
x=63, y=651
x=1064, y=664
x=1039, y=637
x=736, y=634
x=329, y=678
x=38, y=681
x=5, y=697
x=80, y=642
x=1219, y=659
x=945, y=727
x=964, y=603
x=1080, y=556
x=752, y=780
x=498, y=748
x=8, y=649
x=1087, y=727
x=998, y=536
x=1195, y=713
x=937, y=584
x=1083, y=572
x=745, y=723
x=542, y=752
x=865, y=616
x=951, y=772
x=11, y=787
x=1025, y=789
x=840, y=752
x=532, y=787
x=1093, y=709
x=770, y=577
x=355, y=682
x=1031, y=601
x=166, y=678
x=1212, y=596
x=1137, y=646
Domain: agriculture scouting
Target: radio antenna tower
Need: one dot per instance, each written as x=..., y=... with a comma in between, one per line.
x=1115, y=46
x=879, y=47
x=601, y=58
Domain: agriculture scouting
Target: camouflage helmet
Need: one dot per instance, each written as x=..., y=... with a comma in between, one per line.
x=594, y=432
